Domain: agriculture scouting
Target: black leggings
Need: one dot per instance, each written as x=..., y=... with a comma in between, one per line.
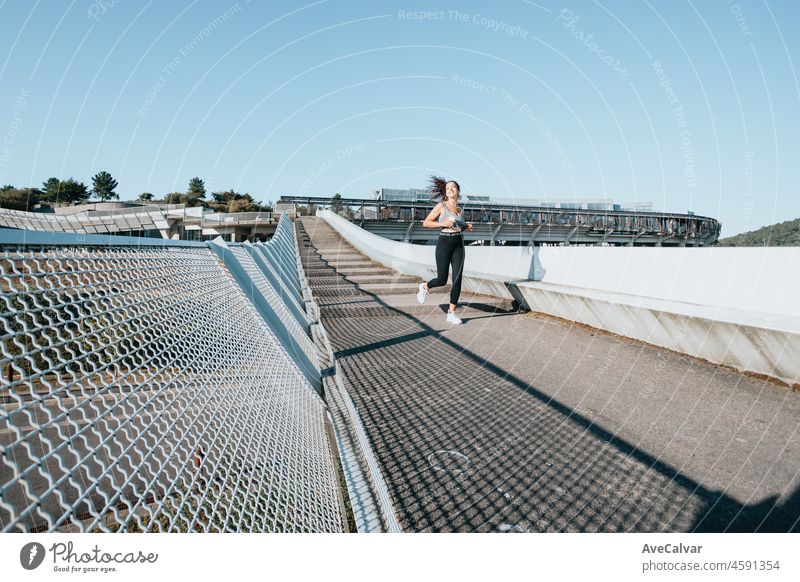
x=449, y=249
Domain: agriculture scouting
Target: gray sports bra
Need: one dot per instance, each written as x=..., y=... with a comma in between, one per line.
x=447, y=214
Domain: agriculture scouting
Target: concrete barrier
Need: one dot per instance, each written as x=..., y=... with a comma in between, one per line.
x=732, y=306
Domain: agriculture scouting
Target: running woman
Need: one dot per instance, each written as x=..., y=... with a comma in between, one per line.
x=447, y=216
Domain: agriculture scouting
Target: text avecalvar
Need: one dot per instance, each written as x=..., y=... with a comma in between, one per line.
x=671, y=549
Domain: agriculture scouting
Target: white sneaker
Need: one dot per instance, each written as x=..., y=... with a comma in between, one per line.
x=453, y=318
x=422, y=294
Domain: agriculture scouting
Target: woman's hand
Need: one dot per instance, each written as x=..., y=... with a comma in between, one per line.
x=469, y=227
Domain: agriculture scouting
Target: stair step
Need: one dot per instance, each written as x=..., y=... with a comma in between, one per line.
x=395, y=288
x=341, y=257
x=347, y=272
x=379, y=278
x=344, y=249
x=364, y=263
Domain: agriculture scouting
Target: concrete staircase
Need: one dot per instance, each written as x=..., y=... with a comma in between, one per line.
x=336, y=269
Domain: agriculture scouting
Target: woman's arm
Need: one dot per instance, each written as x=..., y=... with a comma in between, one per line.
x=432, y=220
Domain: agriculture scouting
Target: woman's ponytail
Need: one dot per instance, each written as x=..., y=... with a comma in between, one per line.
x=438, y=187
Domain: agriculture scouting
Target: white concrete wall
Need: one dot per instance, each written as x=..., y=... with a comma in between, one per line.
x=734, y=306
x=760, y=279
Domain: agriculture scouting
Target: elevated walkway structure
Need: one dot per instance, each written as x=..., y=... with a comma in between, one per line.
x=297, y=386
x=518, y=422
x=499, y=221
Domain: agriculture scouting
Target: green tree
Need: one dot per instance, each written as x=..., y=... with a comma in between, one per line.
x=20, y=198
x=336, y=203
x=103, y=186
x=52, y=189
x=65, y=191
x=197, y=187
x=222, y=199
x=175, y=198
x=196, y=192
x=238, y=206
x=144, y=196
x=232, y=201
x=73, y=191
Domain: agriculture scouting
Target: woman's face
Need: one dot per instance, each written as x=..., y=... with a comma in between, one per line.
x=451, y=190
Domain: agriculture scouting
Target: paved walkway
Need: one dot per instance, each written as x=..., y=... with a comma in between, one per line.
x=518, y=422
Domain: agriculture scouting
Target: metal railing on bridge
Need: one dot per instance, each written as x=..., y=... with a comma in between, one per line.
x=510, y=221
x=152, y=385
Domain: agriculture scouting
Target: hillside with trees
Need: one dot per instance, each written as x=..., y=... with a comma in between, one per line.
x=783, y=234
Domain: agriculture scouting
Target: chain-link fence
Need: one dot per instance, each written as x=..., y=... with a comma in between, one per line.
x=148, y=386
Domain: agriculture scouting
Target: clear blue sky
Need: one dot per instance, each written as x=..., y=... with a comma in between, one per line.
x=690, y=105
